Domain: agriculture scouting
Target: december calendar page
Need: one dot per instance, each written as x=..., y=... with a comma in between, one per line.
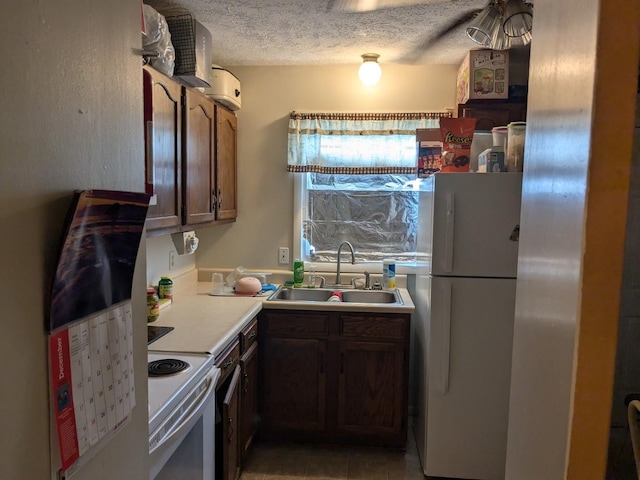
x=92, y=384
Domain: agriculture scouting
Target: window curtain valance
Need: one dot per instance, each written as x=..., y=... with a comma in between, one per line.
x=356, y=143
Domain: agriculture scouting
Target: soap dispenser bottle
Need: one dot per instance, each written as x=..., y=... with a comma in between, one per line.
x=298, y=272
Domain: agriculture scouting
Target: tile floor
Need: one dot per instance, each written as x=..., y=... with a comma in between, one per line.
x=299, y=461
x=621, y=465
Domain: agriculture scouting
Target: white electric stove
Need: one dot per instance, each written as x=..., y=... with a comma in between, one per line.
x=181, y=413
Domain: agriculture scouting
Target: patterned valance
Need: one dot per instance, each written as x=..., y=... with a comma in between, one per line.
x=356, y=143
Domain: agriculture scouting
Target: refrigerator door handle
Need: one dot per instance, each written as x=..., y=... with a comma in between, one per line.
x=448, y=232
x=446, y=339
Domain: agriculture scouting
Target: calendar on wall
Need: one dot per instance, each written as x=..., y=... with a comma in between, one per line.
x=92, y=380
x=90, y=324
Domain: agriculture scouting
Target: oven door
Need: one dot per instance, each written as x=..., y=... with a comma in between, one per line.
x=183, y=446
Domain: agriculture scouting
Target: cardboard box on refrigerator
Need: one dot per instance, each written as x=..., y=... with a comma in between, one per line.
x=429, y=151
x=483, y=75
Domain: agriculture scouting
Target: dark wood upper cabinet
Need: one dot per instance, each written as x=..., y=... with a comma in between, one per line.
x=489, y=115
x=191, y=156
x=226, y=163
x=199, y=160
x=163, y=146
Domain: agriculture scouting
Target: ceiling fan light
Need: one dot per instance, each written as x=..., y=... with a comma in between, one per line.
x=482, y=28
x=518, y=19
x=370, y=71
x=500, y=41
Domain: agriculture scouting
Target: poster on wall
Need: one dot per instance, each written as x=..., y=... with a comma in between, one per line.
x=98, y=254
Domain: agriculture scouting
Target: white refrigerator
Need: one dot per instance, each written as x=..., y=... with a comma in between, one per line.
x=465, y=304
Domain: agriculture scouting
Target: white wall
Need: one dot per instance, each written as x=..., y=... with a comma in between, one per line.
x=572, y=231
x=71, y=106
x=159, y=252
x=265, y=207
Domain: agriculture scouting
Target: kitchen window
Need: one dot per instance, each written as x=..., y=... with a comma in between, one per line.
x=356, y=180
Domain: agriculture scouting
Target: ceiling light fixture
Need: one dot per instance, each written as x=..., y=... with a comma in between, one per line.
x=502, y=24
x=518, y=19
x=370, y=71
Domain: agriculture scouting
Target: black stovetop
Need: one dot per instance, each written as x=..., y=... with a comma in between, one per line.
x=154, y=333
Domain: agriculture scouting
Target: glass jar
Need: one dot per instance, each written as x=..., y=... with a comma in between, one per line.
x=515, y=146
x=165, y=288
x=153, y=305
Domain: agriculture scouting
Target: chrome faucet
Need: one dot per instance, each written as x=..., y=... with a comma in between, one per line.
x=367, y=281
x=353, y=260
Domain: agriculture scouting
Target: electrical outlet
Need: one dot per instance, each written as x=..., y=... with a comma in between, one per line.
x=283, y=256
x=172, y=260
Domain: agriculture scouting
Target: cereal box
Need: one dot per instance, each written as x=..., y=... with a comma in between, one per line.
x=429, y=150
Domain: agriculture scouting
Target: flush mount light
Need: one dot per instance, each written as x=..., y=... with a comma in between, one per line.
x=370, y=71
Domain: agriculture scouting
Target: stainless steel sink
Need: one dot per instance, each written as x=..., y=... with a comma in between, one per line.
x=348, y=295
x=371, y=296
x=301, y=294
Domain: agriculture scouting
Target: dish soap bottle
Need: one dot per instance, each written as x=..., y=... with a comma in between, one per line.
x=388, y=274
x=298, y=272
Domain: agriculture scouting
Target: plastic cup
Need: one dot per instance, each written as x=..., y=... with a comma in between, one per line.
x=312, y=275
x=217, y=283
x=500, y=137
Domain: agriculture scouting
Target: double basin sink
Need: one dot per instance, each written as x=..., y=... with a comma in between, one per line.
x=387, y=297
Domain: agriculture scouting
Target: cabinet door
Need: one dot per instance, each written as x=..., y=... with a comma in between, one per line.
x=294, y=384
x=372, y=392
x=491, y=115
x=163, y=127
x=248, y=399
x=198, y=154
x=487, y=118
x=226, y=163
x=230, y=429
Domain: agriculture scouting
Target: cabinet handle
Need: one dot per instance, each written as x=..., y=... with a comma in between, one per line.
x=251, y=335
x=228, y=363
x=150, y=171
x=214, y=200
x=230, y=430
x=219, y=199
x=445, y=355
x=245, y=389
x=449, y=232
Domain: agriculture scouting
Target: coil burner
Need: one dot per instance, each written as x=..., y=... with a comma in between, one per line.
x=167, y=366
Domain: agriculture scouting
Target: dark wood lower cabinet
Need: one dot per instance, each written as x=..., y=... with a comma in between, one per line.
x=294, y=384
x=228, y=402
x=237, y=402
x=369, y=388
x=248, y=400
x=334, y=377
x=228, y=464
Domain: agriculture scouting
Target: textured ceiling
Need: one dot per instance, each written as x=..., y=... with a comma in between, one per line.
x=318, y=32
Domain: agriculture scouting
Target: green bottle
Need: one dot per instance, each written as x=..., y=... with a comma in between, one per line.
x=298, y=272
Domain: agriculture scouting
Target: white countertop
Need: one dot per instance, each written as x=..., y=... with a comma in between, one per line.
x=203, y=323
x=206, y=324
